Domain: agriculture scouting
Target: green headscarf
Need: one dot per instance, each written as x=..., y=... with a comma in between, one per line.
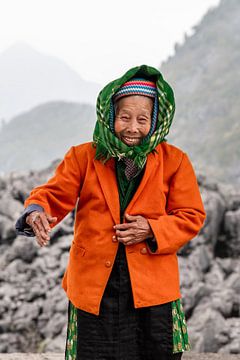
x=107, y=144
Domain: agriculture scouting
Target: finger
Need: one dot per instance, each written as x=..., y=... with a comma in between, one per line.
x=41, y=230
x=124, y=233
x=131, y=217
x=45, y=222
x=40, y=240
x=122, y=226
x=32, y=217
x=125, y=240
x=28, y=221
x=133, y=241
x=36, y=226
x=130, y=243
x=50, y=218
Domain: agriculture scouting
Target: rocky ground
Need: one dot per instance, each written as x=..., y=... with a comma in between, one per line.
x=33, y=306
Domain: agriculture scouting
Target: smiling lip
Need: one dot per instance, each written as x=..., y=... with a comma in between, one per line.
x=130, y=140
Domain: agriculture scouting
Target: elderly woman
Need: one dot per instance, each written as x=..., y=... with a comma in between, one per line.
x=138, y=204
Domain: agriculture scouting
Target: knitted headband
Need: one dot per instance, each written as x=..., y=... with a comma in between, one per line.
x=137, y=86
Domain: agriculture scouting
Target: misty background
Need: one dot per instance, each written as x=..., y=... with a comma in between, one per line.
x=54, y=59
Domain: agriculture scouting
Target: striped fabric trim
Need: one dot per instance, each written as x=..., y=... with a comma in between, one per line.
x=140, y=82
x=136, y=87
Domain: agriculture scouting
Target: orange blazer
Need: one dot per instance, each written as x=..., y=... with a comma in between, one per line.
x=168, y=196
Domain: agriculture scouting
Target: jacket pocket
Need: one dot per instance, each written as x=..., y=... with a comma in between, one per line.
x=77, y=249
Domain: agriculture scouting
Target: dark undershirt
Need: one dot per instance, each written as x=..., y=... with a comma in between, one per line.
x=127, y=189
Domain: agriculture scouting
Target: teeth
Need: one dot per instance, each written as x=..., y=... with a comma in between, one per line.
x=130, y=139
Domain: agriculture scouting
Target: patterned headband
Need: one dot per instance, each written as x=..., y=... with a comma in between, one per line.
x=136, y=86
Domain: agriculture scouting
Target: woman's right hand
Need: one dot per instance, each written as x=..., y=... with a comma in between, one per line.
x=39, y=222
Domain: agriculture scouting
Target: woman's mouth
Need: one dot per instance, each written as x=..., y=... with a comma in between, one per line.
x=130, y=140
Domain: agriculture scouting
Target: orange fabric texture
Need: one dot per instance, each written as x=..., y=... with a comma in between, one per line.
x=168, y=196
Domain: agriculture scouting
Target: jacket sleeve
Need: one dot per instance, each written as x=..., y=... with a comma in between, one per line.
x=59, y=195
x=185, y=211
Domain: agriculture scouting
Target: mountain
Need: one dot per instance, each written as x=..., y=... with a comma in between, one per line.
x=34, y=139
x=205, y=73
x=29, y=78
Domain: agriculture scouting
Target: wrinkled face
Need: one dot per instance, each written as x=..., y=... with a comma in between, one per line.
x=133, y=118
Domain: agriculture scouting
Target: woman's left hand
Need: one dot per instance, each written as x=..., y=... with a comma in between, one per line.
x=135, y=230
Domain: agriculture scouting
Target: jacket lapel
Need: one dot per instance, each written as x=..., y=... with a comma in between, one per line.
x=108, y=182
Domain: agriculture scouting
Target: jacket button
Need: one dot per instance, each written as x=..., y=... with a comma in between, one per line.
x=108, y=263
x=143, y=251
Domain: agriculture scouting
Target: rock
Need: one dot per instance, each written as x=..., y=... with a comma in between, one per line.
x=226, y=264
x=223, y=301
x=23, y=248
x=64, y=242
x=40, y=265
x=20, y=189
x=203, y=257
x=56, y=344
x=233, y=281
x=37, y=290
x=7, y=232
x=209, y=327
x=232, y=230
x=4, y=342
x=3, y=184
x=215, y=276
x=235, y=347
x=55, y=325
x=50, y=262
x=17, y=266
x=189, y=272
x=64, y=261
x=214, y=205
x=62, y=306
x=10, y=207
x=27, y=310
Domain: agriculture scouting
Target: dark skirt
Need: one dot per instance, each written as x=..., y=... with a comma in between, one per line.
x=121, y=332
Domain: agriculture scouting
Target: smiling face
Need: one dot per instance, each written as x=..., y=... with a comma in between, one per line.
x=133, y=118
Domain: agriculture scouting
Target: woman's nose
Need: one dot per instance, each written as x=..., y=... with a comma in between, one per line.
x=132, y=126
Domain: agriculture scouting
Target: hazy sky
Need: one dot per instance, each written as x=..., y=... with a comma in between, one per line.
x=102, y=38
